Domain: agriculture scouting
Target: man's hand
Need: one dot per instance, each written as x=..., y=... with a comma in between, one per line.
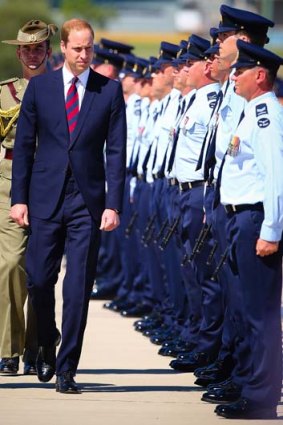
x=109, y=220
x=19, y=213
x=264, y=248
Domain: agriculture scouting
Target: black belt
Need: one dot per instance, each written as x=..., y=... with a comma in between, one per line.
x=191, y=185
x=173, y=182
x=211, y=184
x=140, y=177
x=243, y=207
x=158, y=175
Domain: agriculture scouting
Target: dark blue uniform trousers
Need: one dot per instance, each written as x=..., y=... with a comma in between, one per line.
x=218, y=219
x=128, y=248
x=206, y=292
x=174, y=250
x=71, y=229
x=260, y=285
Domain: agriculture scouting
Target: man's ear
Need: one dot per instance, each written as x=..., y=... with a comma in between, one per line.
x=261, y=74
x=244, y=38
x=62, y=46
x=206, y=68
x=18, y=53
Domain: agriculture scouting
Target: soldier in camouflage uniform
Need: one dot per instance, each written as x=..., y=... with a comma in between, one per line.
x=17, y=337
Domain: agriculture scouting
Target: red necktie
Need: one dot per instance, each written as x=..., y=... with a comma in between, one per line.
x=72, y=106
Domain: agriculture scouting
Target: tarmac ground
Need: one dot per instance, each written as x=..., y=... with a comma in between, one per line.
x=124, y=382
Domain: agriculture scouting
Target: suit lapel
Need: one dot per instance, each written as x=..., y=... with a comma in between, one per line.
x=59, y=107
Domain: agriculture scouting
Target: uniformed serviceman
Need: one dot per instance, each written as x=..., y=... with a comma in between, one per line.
x=170, y=240
x=139, y=205
x=251, y=190
x=108, y=62
x=205, y=324
x=33, y=52
x=251, y=27
x=163, y=90
x=131, y=76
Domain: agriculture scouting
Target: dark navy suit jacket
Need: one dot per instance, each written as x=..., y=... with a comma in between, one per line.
x=43, y=150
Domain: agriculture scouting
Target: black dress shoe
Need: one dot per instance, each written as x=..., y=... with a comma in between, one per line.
x=176, y=348
x=66, y=384
x=245, y=409
x=153, y=316
x=166, y=348
x=149, y=324
x=137, y=311
x=187, y=355
x=167, y=335
x=224, y=395
x=156, y=330
x=117, y=305
x=190, y=364
x=103, y=293
x=213, y=373
x=29, y=368
x=29, y=359
x=46, y=360
x=219, y=385
x=9, y=365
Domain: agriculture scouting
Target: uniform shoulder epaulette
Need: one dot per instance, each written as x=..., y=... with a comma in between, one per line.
x=212, y=97
x=261, y=109
x=10, y=80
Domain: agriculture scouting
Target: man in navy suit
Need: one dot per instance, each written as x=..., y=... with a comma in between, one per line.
x=58, y=191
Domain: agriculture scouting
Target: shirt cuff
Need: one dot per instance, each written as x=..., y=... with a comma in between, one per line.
x=270, y=234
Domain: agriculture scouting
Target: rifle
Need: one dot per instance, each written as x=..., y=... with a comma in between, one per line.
x=204, y=233
x=148, y=228
x=162, y=228
x=168, y=235
x=129, y=228
x=211, y=254
x=198, y=244
x=185, y=260
x=219, y=265
x=149, y=236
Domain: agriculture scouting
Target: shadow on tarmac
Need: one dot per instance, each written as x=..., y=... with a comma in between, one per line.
x=127, y=372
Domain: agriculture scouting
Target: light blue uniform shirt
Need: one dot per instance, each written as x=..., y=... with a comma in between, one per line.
x=139, y=130
x=172, y=133
x=255, y=172
x=166, y=123
x=155, y=136
x=133, y=114
x=193, y=129
x=147, y=126
x=228, y=118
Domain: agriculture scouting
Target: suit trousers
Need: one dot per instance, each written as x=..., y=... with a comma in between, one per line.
x=71, y=230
